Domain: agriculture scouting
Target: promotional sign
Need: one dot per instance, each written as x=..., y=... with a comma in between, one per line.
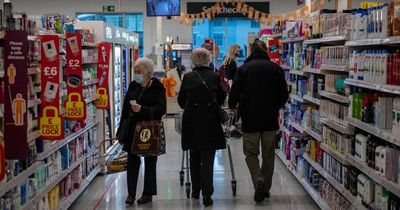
x=103, y=68
x=51, y=123
x=75, y=105
x=228, y=10
x=272, y=44
x=16, y=95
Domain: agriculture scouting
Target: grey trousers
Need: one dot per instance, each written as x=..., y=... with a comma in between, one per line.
x=251, y=149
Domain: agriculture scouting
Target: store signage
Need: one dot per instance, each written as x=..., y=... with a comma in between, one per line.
x=75, y=105
x=51, y=122
x=108, y=8
x=103, y=68
x=109, y=34
x=16, y=95
x=181, y=46
x=228, y=9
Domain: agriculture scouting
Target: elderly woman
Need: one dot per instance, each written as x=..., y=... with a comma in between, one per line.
x=145, y=100
x=202, y=132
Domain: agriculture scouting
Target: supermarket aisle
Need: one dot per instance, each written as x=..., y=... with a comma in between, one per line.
x=109, y=192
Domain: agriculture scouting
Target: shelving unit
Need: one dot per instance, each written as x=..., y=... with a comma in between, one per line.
x=372, y=86
x=348, y=130
x=391, y=186
x=297, y=98
x=297, y=72
x=312, y=99
x=338, y=186
x=295, y=39
x=313, y=71
x=306, y=185
x=313, y=134
x=335, y=97
x=341, y=158
x=334, y=68
x=386, y=135
x=341, y=38
x=297, y=126
x=90, y=82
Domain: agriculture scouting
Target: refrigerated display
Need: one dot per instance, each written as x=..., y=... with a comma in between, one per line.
x=117, y=85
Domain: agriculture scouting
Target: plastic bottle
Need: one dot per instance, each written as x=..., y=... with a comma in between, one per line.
x=353, y=25
x=363, y=25
x=384, y=20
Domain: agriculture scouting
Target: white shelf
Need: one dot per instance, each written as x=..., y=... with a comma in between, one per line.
x=338, y=68
x=276, y=36
x=344, y=129
x=335, y=97
x=369, y=85
x=290, y=40
x=297, y=72
x=33, y=70
x=297, y=98
x=285, y=67
x=313, y=134
x=389, y=185
x=89, y=45
x=307, y=186
x=34, y=102
x=90, y=82
x=67, y=202
x=92, y=99
x=290, y=133
x=341, y=158
x=384, y=134
x=338, y=186
x=298, y=127
x=341, y=38
x=394, y=40
x=15, y=181
x=312, y=99
x=89, y=62
x=33, y=136
x=57, y=146
x=312, y=70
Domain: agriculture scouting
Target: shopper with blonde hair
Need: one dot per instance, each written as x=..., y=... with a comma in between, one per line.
x=230, y=63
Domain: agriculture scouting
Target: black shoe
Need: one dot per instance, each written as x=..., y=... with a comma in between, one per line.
x=145, y=199
x=259, y=195
x=267, y=195
x=196, y=195
x=236, y=134
x=130, y=200
x=207, y=201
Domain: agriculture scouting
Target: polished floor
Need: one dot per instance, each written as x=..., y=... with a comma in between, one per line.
x=109, y=191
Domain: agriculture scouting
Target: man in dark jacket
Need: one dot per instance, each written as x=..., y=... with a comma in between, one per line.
x=259, y=91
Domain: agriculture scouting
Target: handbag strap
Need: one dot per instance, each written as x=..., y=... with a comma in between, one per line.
x=207, y=88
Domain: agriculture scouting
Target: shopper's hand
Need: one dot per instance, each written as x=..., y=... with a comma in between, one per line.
x=136, y=108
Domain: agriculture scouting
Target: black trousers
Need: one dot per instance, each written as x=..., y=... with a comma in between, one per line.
x=150, y=175
x=201, y=171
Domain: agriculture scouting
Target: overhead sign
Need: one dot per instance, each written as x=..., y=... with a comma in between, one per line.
x=108, y=8
x=181, y=46
x=228, y=9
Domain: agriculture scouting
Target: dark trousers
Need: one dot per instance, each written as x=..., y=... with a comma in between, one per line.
x=201, y=171
x=150, y=181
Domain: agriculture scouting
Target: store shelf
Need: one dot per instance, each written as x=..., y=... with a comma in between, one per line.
x=384, y=134
x=290, y=133
x=57, y=146
x=372, y=86
x=33, y=103
x=33, y=38
x=335, y=97
x=312, y=99
x=90, y=82
x=92, y=99
x=394, y=40
x=312, y=70
x=341, y=38
x=297, y=72
x=313, y=134
x=276, y=36
x=389, y=185
x=338, y=186
x=89, y=62
x=290, y=40
x=5, y=187
x=306, y=185
x=297, y=98
x=112, y=150
x=33, y=136
x=285, y=67
x=297, y=126
x=89, y=45
x=67, y=202
x=338, y=68
x=344, y=129
x=33, y=70
x=341, y=158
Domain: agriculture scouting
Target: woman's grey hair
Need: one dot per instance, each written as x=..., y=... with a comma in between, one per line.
x=201, y=57
x=146, y=64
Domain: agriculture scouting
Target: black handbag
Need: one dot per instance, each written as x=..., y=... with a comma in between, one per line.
x=223, y=116
x=125, y=129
